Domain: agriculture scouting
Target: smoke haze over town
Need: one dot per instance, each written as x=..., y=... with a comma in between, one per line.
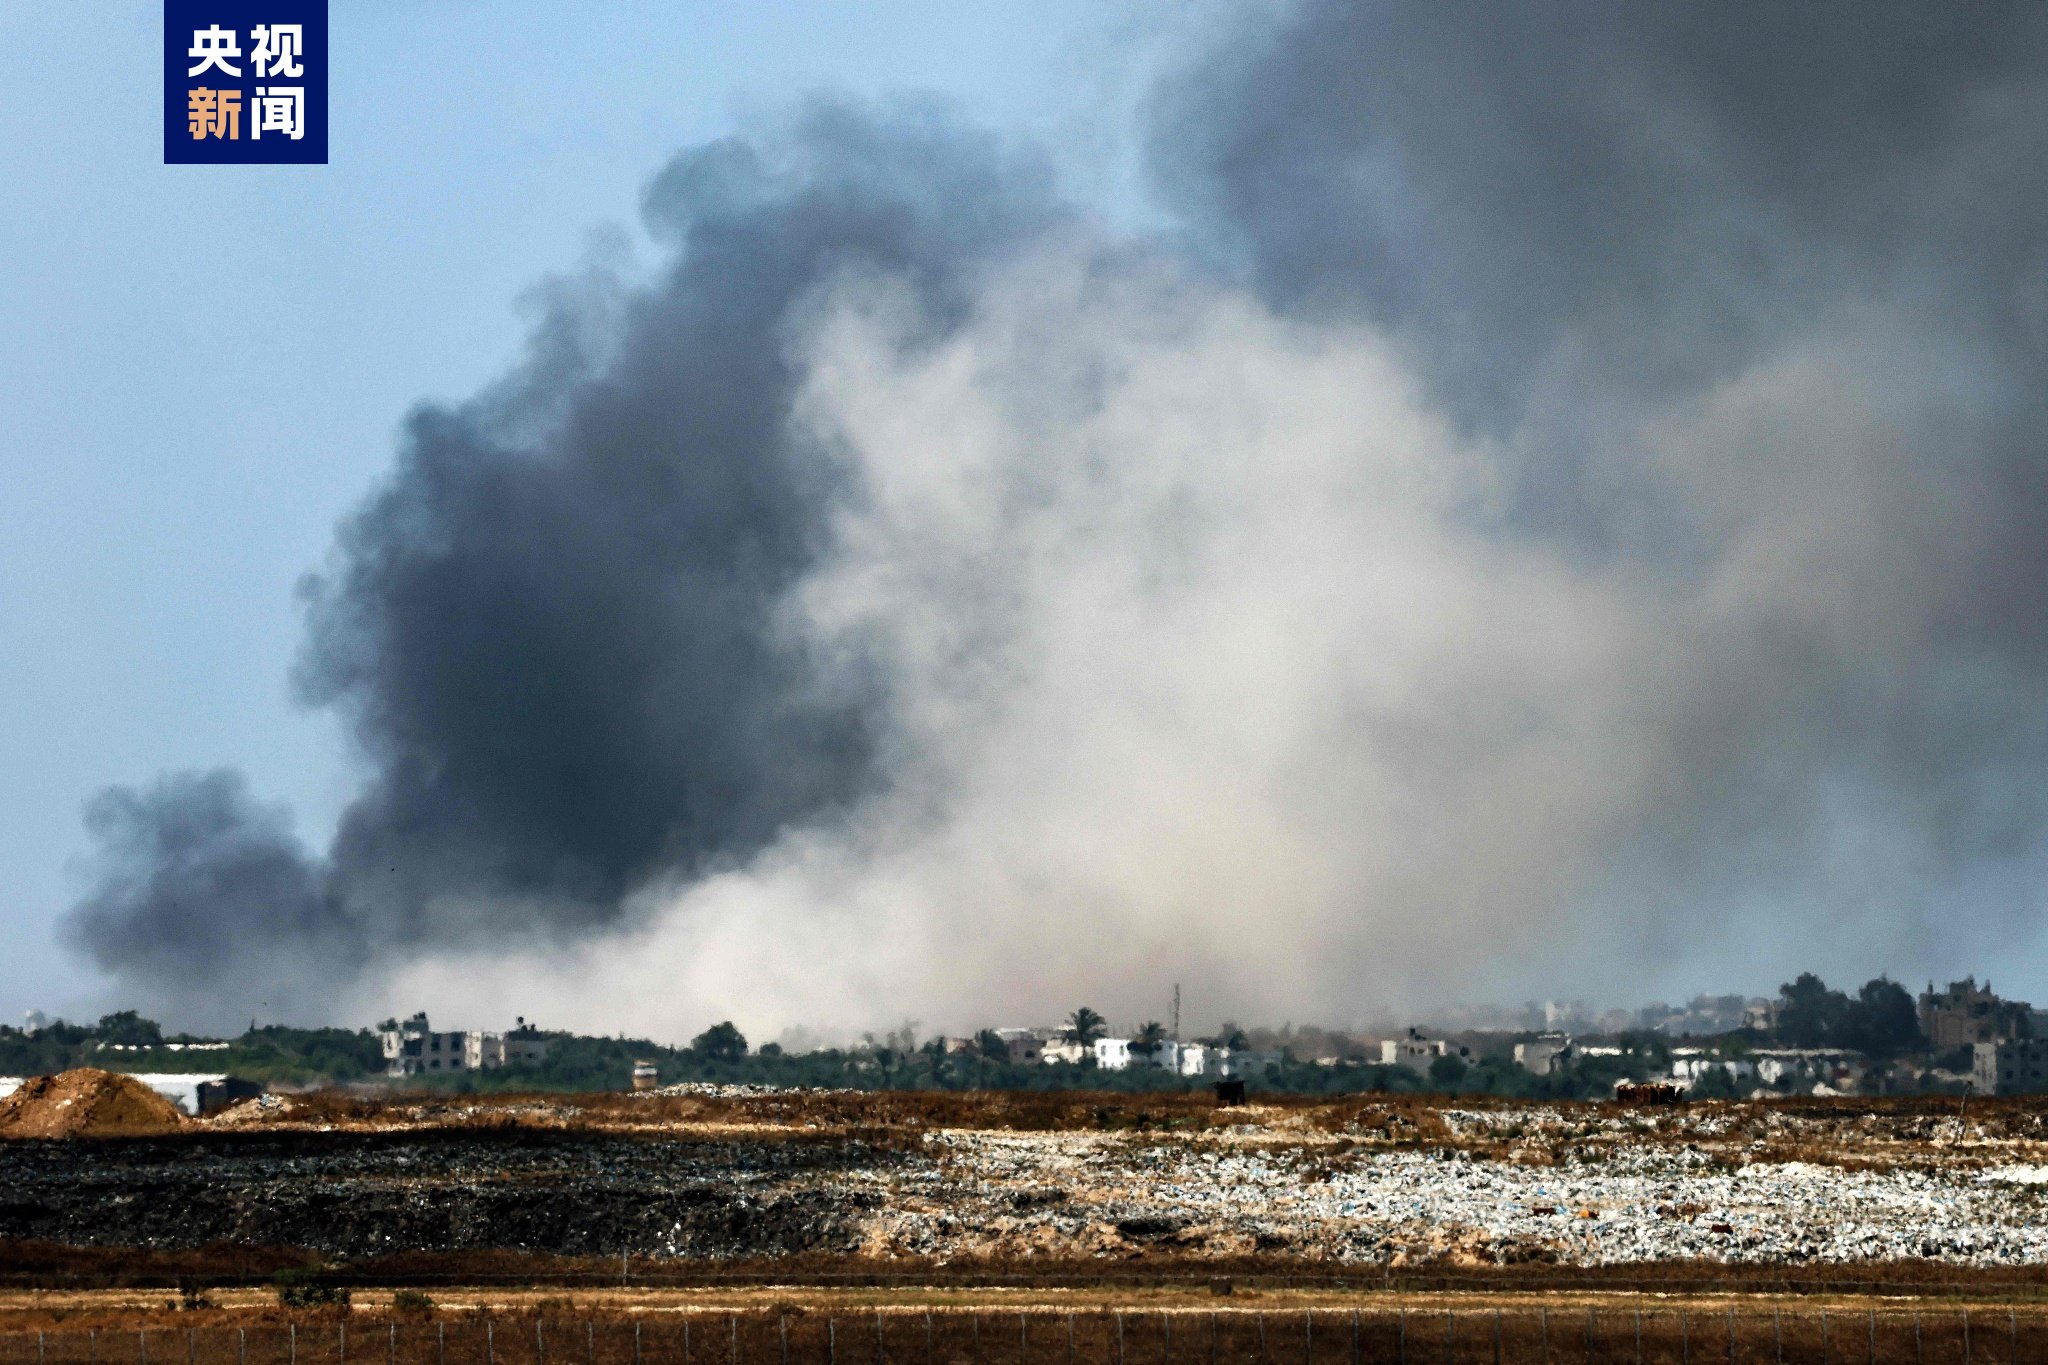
x=1543, y=502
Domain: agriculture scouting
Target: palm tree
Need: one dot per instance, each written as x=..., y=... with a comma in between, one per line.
x=1084, y=1026
x=1149, y=1038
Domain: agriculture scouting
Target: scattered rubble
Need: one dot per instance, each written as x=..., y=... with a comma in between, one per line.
x=721, y=1171
x=716, y=1091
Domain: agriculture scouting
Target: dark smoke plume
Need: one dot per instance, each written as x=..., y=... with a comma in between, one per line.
x=908, y=551
x=552, y=632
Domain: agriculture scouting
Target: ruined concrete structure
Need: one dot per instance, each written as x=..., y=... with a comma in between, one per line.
x=413, y=1048
x=1967, y=1014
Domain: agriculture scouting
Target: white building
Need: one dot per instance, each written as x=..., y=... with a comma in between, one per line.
x=1244, y=1062
x=1689, y=1064
x=1179, y=1059
x=413, y=1048
x=1026, y=1047
x=1058, y=1050
x=1112, y=1054
x=1793, y=1065
x=1541, y=1056
x=1415, y=1052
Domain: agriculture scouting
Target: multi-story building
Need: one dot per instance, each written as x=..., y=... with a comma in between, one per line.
x=413, y=1048
x=2010, y=1066
x=1967, y=1014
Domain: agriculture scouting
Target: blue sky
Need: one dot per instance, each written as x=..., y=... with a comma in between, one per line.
x=205, y=366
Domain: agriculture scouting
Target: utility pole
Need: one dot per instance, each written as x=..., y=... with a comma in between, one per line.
x=1176, y=1011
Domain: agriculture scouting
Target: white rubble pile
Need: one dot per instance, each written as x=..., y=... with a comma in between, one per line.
x=1002, y=1193
x=714, y=1090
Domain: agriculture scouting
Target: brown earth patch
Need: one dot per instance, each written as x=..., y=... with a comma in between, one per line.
x=86, y=1103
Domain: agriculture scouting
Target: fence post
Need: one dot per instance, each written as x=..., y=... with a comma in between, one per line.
x=2012, y=1335
x=1212, y=1340
x=1496, y=1336
x=878, y=1336
x=686, y=1339
x=974, y=1333
x=928, y=1336
x=292, y=1343
x=1450, y=1334
x=1639, y=1336
x=1731, y=1336
x=1778, y=1333
x=191, y=1346
x=1165, y=1337
x=1823, y=1336
x=1119, y=1341
x=391, y=1344
x=1543, y=1329
x=490, y=1342
x=1354, y=1336
x=1021, y=1341
x=589, y=1342
x=783, y=1323
x=39, y=1348
x=1684, y=1337
x=733, y=1348
x=92, y=1345
x=241, y=1346
x=1966, y=1334
x=831, y=1339
x=142, y=1344
x=440, y=1343
x=1916, y=1337
x=1873, y=1336
x=1401, y=1342
x=540, y=1344
x=636, y=1338
x=1589, y=1336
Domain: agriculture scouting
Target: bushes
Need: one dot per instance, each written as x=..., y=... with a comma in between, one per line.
x=307, y=1289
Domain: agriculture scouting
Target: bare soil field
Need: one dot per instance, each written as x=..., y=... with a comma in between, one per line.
x=1048, y=1193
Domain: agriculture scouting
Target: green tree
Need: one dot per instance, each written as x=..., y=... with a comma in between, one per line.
x=129, y=1029
x=1084, y=1026
x=1809, y=1014
x=1447, y=1070
x=1882, y=1020
x=1714, y=1084
x=1150, y=1036
x=720, y=1043
x=991, y=1045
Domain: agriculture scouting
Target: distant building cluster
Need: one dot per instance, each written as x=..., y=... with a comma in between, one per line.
x=414, y=1048
x=1051, y=1046
x=2004, y=1041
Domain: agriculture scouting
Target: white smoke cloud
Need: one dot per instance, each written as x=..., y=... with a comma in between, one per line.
x=1204, y=670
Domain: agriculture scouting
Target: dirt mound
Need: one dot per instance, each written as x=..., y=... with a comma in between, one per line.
x=86, y=1103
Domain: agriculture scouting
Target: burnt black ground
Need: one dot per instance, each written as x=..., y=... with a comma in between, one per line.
x=361, y=1194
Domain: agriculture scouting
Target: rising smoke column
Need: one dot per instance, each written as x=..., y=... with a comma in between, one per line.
x=552, y=631
x=1573, y=499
